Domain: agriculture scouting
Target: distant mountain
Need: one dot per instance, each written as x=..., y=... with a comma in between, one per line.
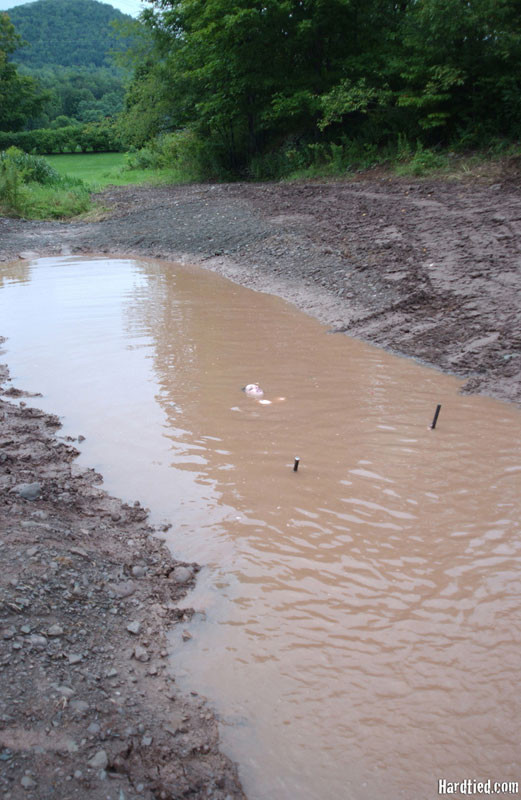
x=69, y=33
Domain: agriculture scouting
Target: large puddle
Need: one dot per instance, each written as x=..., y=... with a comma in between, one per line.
x=362, y=626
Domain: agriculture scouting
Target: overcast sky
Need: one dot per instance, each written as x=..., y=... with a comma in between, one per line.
x=127, y=6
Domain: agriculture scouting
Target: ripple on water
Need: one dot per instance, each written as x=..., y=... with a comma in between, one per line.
x=362, y=615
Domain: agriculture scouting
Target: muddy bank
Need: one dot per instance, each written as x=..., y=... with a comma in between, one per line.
x=427, y=269
x=88, y=592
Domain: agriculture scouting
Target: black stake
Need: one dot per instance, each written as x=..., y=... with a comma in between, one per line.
x=295, y=465
x=436, y=414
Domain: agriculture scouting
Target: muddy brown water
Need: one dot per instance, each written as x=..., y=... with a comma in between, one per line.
x=359, y=621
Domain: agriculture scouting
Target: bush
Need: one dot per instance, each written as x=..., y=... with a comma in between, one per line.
x=183, y=152
x=10, y=182
x=98, y=137
x=422, y=162
x=301, y=160
x=30, y=167
x=144, y=158
x=30, y=187
x=308, y=160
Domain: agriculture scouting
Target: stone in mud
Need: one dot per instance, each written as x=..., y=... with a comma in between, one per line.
x=39, y=642
x=134, y=627
x=140, y=654
x=79, y=706
x=100, y=760
x=65, y=691
x=55, y=630
x=124, y=589
x=28, y=491
x=181, y=575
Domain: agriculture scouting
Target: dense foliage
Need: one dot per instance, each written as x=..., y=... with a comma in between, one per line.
x=259, y=83
x=61, y=52
x=20, y=96
x=71, y=33
x=29, y=167
x=97, y=137
x=30, y=187
x=264, y=87
x=77, y=94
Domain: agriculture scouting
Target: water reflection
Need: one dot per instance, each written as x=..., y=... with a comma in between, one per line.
x=362, y=615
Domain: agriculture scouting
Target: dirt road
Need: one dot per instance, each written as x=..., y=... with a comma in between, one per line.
x=430, y=270
x=87, y=592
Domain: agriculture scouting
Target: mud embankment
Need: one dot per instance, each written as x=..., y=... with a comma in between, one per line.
x=87, y=592
x=88, y=706
x=430, y=270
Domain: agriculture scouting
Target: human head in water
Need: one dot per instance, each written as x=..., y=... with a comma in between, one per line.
x=253, y=390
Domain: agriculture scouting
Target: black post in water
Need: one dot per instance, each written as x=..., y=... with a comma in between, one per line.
x=436, y=414
x=295, y=465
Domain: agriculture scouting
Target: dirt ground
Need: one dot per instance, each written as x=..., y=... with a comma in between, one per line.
x=427, y=269
x=88, y=591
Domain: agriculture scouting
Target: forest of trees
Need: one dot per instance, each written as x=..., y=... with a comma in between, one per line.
x=258, y=87
x=69, y=33
x=64, y=50
x=256, y=81
x=21, y=98
x=77, y=94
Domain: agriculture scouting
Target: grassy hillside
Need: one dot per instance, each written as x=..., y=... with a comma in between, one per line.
x=71, y=33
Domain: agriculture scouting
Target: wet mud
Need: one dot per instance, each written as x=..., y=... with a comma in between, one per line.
x=88, y=593
x=429, y=270
x=426, y=269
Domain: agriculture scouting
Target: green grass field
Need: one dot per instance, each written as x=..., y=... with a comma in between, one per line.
x=26, y=194
x=103, y=169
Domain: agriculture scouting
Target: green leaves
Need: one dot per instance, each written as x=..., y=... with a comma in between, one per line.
x=20, y=96
x=67, y=32
x=349, y=97
x=31, y=187
x=254, y=76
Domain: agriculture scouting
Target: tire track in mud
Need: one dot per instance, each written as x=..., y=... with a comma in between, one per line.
x=427, y=269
